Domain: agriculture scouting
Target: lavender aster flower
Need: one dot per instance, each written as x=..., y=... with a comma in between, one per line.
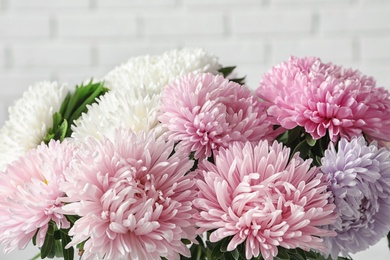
x=359, y=177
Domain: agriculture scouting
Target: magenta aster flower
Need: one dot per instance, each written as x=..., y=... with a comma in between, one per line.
x=359, y=178
x=256, y=196
x=205, y=112
x=30, y=193
x=134, y=198
x=324, y=98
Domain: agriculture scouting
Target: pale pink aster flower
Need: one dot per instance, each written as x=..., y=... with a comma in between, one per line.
x=255, y=195
x=134, y=198
x=326, y=99
x=205, y=112
x=30, y=192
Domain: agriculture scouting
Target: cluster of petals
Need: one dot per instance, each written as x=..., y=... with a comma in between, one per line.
x=153, y=72
x=133, y=197
x=29, y=120
x=257, y=196
x=119, y=108
x=326, y=99
x=135, y=89
x=204, y=112
x=358, y=176
x=30, y=194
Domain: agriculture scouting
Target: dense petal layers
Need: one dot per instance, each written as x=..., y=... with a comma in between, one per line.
x=30, y=194
x=359, y=179
x=133, y=197
x=29, y=120
x=326, y=99
x=205, y=112
x=256, y=196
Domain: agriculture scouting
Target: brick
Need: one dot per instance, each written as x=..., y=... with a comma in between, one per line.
x=252, y=72
x=114, y=54
x=12, y=26
x=76, y=76
x=329, y=50
x=3, y=115
x=2, y=57
x=370, y=20
x=97, y=26
x=313, y=2
x=149, y=4
x=375, y=48
x=221, y=3
x=380, y=71
x=189, y=24
x=231, y=53
x=26, y=253
x=48, y=55
x=271, y=21
x=14, y=83
x=20, y=5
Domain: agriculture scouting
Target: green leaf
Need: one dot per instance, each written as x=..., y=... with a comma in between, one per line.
x=235, y=254
x=240, y=81
x=48, y=244
x=310, y=141
x=282, y=254
x=64, y=104
x=58, y=248
x=216, y=253
x=34, y=239
x=63, y=130
x=72, y=218
x=71, y=109
x=225, y=244
x=65, y=239
x=292, y=137
x=303, y=148
x=388, y=240
x=298, y=255
x=313, y=255
x=318, y=160
x=57, y=235
x=99, y=89
x=241, y=251
x=226, y=71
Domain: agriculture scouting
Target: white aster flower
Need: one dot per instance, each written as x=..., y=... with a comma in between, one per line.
x=120, y=107
x=154, y=72
x=29, y=120
x=135, y=89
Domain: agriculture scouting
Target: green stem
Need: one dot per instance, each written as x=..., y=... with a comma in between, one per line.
x=36, y=256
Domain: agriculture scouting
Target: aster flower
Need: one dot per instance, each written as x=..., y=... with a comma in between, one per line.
x=133, y=197
x=254, y=195
x=205, y=112
x=359, y=178
x=324, y=98
x=120, y=107
x=154, y=72
x=29, y=120
x=30, y=192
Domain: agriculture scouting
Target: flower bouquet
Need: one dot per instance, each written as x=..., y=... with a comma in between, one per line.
x=173, y=157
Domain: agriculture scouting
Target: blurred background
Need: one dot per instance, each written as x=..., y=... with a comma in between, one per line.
x=74, y=40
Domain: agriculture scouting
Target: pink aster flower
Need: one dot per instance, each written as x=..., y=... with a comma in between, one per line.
x=324, y=98
x=134, y=198
x=205, y=112
x=256, y=196
x=30, y=192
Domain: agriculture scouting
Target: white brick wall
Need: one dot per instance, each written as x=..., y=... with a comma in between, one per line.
x=74, y=40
